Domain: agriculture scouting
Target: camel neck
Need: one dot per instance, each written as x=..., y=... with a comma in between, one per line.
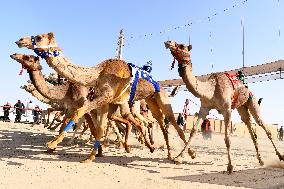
x=194, y=85
x=86, y=76
x=41, y=98
x=47, y=90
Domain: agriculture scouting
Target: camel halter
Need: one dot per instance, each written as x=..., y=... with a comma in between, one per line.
x=44, y=54
x=183, y=57
x=24, y=67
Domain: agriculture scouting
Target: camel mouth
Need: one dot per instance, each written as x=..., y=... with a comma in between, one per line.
x=14, y=56
x=19, y=44
x=167, y=45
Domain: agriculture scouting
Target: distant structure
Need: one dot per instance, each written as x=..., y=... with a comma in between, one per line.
x=253, y=74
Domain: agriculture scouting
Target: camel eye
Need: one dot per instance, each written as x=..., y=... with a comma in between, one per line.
x=25, y=58
x=38, y=38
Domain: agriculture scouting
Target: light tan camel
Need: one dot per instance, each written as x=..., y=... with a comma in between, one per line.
x=68, y=96
x=111, y=78
x=31, y=63
x=30, y=88
x=219, y=92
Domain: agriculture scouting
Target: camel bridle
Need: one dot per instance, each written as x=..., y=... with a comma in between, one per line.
x=44, y=53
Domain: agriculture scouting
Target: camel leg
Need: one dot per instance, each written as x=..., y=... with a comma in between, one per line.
x=62, y=124
x=92, y=123
x=113, y=125
x=49, y=110
x=125, y=112
x=246, y=118
x=203, y=112
x=165, y=105
x=52, y=122
x=158, y=115
x=40, y=118
x=254, y=110
x=107, y=133
x=103, y=100
x=116, y=131
x=150, y=132
x=99, y=134
x=128, y=129
x=79, y=124
x=227, y=120
x=85, y=128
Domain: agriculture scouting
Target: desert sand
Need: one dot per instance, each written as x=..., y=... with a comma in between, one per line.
x=25, y=165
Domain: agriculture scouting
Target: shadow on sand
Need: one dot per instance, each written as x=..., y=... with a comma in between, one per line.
x=251, y=178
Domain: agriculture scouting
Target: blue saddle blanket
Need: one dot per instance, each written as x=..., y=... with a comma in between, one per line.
x=138, y=72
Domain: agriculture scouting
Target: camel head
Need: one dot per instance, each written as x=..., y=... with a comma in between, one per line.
x=29, y=62
x=40, y=42
x=180, y=52
x=28, y=87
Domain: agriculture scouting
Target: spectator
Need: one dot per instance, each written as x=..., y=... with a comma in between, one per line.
x=206, y=129
x=167, y=123
x=36, y=113
x=30, y=107
x=259, y=101
x=6, y=109
x=281, y=133
x=185, y=111
x=19, y=106
x=180, y=120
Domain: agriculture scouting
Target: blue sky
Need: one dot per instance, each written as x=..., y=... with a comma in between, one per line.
x=87, y=32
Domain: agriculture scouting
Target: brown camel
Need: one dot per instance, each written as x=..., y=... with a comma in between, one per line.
x=30, y=88
x=111, y=78
x=220, y=91
x=31, y=63
x=67, y=95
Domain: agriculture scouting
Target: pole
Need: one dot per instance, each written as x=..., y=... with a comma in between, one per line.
x=118, y=52
x=243, y=51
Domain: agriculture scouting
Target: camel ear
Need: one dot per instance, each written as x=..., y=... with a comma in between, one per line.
x=50, y=35
x=36, y=58
x=189, y=47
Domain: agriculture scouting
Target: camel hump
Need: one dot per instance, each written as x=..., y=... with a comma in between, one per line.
x=117, y=67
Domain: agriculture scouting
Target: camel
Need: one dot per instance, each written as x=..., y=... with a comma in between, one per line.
x=30, y=88
x=220, y=91
x=111, y=78
x=67, y=95
x=31, y=63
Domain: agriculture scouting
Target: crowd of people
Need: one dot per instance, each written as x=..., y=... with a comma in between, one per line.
x=19, y=109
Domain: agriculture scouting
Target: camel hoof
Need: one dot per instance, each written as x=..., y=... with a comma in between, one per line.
x=261, y=163
x=99, y=155
x=177, y=161
x=120, y=145
x=152, y=149
x=127, y=149
x=52, y=144
x=192, y=154
x=49, y=151
x=281, y=157
x=88, y=160
x=170, y=157
x=230, y=169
